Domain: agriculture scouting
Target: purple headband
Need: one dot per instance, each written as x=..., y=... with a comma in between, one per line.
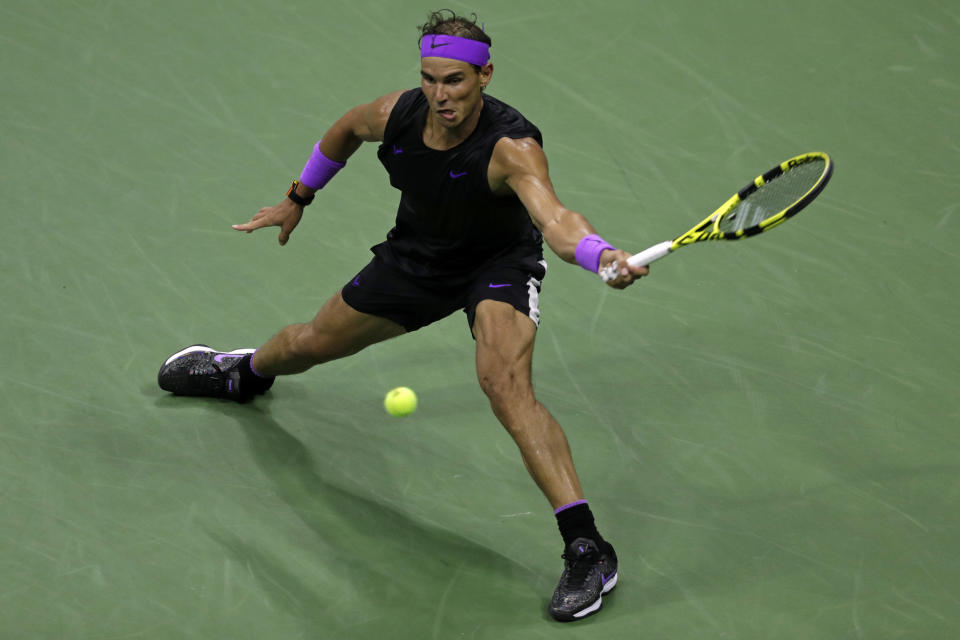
x=441, y=46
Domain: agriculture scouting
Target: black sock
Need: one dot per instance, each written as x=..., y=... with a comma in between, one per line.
x=249, y=378
x=576, y=521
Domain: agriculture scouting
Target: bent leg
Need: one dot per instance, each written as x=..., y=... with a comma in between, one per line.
x=505, y=340
x=338, y=330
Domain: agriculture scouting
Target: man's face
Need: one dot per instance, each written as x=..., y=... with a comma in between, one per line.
x=453, y=89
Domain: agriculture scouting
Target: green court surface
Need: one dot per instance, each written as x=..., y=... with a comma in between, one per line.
x=766, y=430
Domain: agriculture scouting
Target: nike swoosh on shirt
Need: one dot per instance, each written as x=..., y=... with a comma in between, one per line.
x=499, y=286
x=457, y=175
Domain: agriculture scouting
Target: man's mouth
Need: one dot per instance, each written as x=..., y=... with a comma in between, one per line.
x=447, y=114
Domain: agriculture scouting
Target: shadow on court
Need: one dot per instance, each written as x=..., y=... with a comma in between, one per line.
x=373, y=556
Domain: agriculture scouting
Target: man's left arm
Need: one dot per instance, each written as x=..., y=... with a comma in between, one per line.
x=521, y=166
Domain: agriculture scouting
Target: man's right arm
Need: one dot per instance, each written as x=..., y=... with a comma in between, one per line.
x=363, y=123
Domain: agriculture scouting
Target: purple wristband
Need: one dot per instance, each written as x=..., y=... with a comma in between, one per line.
x=319, y=169
x=588, y=251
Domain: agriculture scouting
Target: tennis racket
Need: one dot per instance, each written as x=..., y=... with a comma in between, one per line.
x=768, y=200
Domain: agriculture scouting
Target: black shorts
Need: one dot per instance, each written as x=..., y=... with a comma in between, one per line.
x=383, y=290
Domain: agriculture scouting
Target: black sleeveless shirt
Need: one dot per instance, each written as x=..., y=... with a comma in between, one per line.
x=449, y=222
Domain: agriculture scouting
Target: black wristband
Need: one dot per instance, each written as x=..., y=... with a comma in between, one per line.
x=293, y=195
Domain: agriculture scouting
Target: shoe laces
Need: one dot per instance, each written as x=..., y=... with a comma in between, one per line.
x=579, y=566
x=210, y=367
x=206, y=369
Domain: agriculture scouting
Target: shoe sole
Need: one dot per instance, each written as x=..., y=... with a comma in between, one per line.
x=607, y=588
x=593, y=608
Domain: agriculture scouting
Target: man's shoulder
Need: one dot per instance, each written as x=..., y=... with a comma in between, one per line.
x=507, y=121
x=516, y=154
x=397, y=108
x=499, y=107
x=408, y=99
x=490, y=99
x=390, y=102
x=514, y=158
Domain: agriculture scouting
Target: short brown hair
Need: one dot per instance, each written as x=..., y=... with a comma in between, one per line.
x=447, y=22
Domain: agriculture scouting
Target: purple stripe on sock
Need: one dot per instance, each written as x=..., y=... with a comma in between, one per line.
x=567, y=506
x=255, y=372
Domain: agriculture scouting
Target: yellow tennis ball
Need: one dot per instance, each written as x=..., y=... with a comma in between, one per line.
x=400, y=402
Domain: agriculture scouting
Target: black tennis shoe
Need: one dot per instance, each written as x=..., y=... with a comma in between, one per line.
x=199, y=370
x=589, y=572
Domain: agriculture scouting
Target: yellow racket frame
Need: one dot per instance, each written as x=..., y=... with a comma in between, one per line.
x=709, y=227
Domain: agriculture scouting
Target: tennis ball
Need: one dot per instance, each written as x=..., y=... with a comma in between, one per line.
x=400, y=402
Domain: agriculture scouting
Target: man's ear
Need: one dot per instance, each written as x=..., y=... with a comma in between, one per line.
x=486, y=73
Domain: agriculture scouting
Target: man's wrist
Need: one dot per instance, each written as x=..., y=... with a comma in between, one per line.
x=298, y=198
x=589, y=250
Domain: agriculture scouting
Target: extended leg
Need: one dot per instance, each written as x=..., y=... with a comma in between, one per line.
x=505, y=340
x=337, y=331
x=504, y=356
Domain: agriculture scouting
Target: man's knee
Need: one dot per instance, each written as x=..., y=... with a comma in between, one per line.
x=338, y=331
x=312, y=344
x=495, y=385
x=506, y=390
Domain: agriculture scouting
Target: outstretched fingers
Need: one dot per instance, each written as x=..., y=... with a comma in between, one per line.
x=285, y=216
x=258, y=221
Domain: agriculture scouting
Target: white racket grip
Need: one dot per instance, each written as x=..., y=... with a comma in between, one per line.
x=651, y=255
x=642, y=259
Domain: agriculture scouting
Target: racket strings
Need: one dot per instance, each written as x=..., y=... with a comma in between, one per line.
x=773, y=197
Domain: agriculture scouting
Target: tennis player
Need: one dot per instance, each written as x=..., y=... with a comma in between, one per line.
x=476, y=203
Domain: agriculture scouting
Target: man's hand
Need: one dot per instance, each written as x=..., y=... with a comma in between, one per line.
x=626, y=274
x=285, y=215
